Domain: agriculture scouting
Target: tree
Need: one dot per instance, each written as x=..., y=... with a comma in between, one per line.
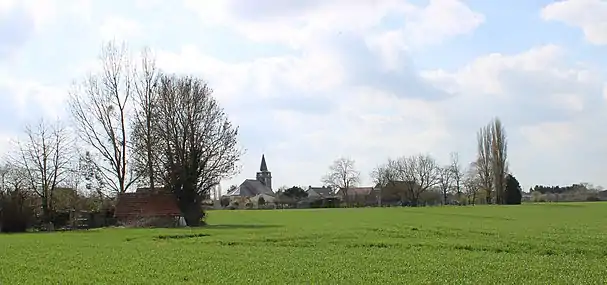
x=342, y=175
x=483, y=163
x=224, y=201
x=45, y=159
x=499, y=162
x=200, y=144
x=380, y=178
x=4, y=170
x=16, y=207
x=457, y=173
x=513, y=192
x=296, y=193
x=99, y=110
x=472, y=183
x=261, y=202
x=93, y=175
x=445, y=181
x=146, y=143
x=422, y=173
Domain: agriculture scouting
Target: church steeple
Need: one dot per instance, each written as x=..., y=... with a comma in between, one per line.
x=264, y=176
x=263, y=166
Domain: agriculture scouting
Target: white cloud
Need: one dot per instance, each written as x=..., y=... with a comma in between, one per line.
x=120, y=29
x=362, y=109
x=297, y=24
x=588, y=15
x=551, y=135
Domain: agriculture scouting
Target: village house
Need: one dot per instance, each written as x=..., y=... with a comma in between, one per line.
x=359, y=196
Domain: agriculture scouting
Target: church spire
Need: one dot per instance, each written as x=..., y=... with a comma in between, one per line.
x=263, y=166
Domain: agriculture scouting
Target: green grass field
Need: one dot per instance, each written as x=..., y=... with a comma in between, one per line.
x=530, y=244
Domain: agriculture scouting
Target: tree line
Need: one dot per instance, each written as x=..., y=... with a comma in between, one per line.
x=130, y=125
x=407, y=178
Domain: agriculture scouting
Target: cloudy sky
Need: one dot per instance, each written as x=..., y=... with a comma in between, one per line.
x=310, y=81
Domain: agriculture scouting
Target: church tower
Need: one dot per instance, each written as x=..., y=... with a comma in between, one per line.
x=264, y=176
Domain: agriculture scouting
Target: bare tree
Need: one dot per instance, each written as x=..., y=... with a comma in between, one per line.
x=15, y=178
x=381, y=179
x=146, y=143
x=457, y=173
x=45, y=157
x=200, y=144
x=472, y=183
x=342, y=175
x=99, y=110
x=282, y=188
x=445, y=181
x=499, y=163
x=483, y=162
x=4, y=170
x=422, y=173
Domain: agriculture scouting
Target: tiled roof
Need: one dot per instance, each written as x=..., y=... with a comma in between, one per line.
x=319, y=191
x=251, y=188
x=357, y=191
x=146, y=204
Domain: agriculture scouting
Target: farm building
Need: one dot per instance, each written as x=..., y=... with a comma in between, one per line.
x=146, y=207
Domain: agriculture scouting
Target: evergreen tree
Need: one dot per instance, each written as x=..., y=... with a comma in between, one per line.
x=513, y=191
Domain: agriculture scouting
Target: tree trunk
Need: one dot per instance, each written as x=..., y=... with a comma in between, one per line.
x=192, y=212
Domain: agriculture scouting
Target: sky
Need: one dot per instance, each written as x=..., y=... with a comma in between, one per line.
x=310, y=81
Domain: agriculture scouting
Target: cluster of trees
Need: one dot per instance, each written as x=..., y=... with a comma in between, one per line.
x=582, y=187
x=409, y=177
x=572, y=193
x=131, y=125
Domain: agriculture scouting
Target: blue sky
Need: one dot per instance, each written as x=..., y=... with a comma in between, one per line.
x=310, y=81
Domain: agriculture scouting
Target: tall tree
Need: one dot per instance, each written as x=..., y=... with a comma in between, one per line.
x=45, y=157
x=499, y=162
x=200, y=144
x=342, y=175
x=99, y=110
x=146, y=143
x=445, y=181
x=457, y=173
x=483, y=161
x=472, y=183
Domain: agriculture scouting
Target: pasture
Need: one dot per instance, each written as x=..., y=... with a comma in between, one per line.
x=529, y=244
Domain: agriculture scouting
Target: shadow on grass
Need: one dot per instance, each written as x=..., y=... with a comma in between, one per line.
x=239, y=226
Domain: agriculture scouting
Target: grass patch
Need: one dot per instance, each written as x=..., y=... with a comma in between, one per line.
x=529, y=244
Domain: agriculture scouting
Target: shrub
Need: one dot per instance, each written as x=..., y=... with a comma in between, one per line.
x=224, y=201
x=16, y=214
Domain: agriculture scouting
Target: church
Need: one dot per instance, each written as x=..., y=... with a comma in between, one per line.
x=261, y=186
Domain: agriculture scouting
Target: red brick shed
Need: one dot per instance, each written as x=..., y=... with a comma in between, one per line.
x=132, y=207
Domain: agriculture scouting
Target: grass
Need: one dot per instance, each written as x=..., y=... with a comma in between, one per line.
x=529, y=244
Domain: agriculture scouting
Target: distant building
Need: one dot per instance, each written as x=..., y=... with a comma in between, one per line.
x=146, y=204
x=252, y=189
x=319, y=192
